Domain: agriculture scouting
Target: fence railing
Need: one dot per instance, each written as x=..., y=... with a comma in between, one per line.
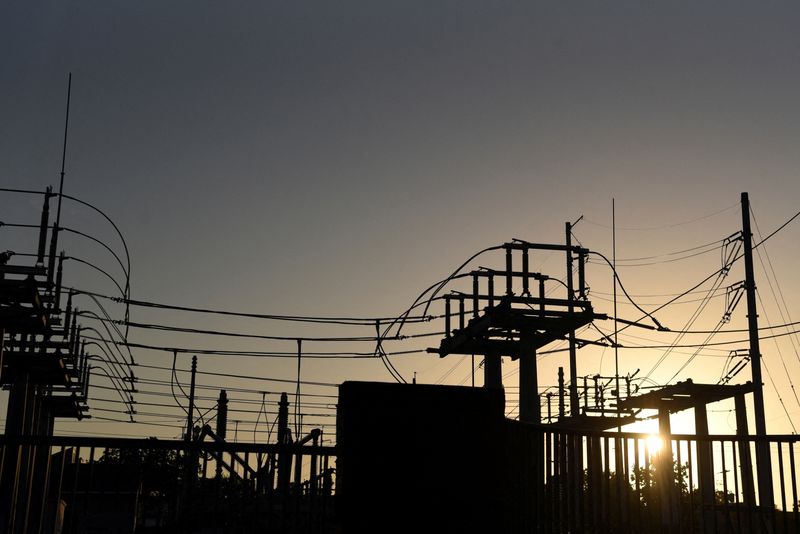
x=555, y=481
x=632, y=482
x=95, y=484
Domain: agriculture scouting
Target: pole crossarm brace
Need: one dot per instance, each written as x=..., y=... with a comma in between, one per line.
x=684, y=395
x=519, y=244
x=506, y=330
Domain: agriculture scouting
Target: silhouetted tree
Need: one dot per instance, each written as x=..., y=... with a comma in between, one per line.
x=159, y=472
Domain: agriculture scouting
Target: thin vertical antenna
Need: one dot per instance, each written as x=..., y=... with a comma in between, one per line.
x=297, y=391
x=64, y=152
x=614, y=269
x=51, y=264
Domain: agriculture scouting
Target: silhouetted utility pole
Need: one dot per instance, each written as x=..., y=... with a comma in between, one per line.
x=222, y=414
x=190, y=460
x=190, y=413
x=573, y=361
x=222, y=425
x=763, y=461
x=284, y=441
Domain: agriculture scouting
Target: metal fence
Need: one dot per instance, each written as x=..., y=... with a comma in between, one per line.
x=554, y=482
x=631, y=482
x=110, y=485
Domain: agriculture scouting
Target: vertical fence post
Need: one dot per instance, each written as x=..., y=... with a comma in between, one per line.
x=664, y=477
x=705, y=465
x=748, y=487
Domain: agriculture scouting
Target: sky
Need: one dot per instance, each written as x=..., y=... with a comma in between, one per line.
x=337, y=158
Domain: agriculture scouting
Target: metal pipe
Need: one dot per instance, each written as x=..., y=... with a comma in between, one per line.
x=475, y=292
x=509, y=269
x=447, y=316
x=525, y=274
x=43, y=227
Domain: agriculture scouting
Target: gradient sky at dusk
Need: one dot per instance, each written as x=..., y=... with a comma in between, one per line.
x=336, y=158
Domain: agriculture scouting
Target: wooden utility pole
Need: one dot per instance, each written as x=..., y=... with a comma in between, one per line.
x=763, y=461
x=222, y=415
x=573, y=361
x=190, y=413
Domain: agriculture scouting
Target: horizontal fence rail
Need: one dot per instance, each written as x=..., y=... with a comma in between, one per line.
x=554, y=481
x=105, y=485
x=633, y=482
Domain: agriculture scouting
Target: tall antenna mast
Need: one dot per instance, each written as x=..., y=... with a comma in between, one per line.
x=64, y=151
x=614, y=273
x=51, y=264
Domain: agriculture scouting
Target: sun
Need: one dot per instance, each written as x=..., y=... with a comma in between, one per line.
x=654, y=444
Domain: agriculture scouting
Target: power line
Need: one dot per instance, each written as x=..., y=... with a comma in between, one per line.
x=100, y=270
x=634, y=263
x=672, y=225
x=73, y=231
x=216, y=387
x=780, y=353
x=256, y=354
x=648, y=295
x=622, y=287
x=715, y=273
x=727, y=263
x=725, y=318
x=714, y=344
x=349, y=321
x=606, y=299
x=247, y=377
x=226, y=333
x=688, y=291
x=61, y=196
x=675, y=253
x=777, y=284
x=733, y=330
x=235, y=400
x=404, y=318
x=230, y=410
x=772, y=381
x=781, y=227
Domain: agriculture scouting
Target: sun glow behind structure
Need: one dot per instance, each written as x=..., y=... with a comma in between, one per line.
x=654, y=444
x=361, y=147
